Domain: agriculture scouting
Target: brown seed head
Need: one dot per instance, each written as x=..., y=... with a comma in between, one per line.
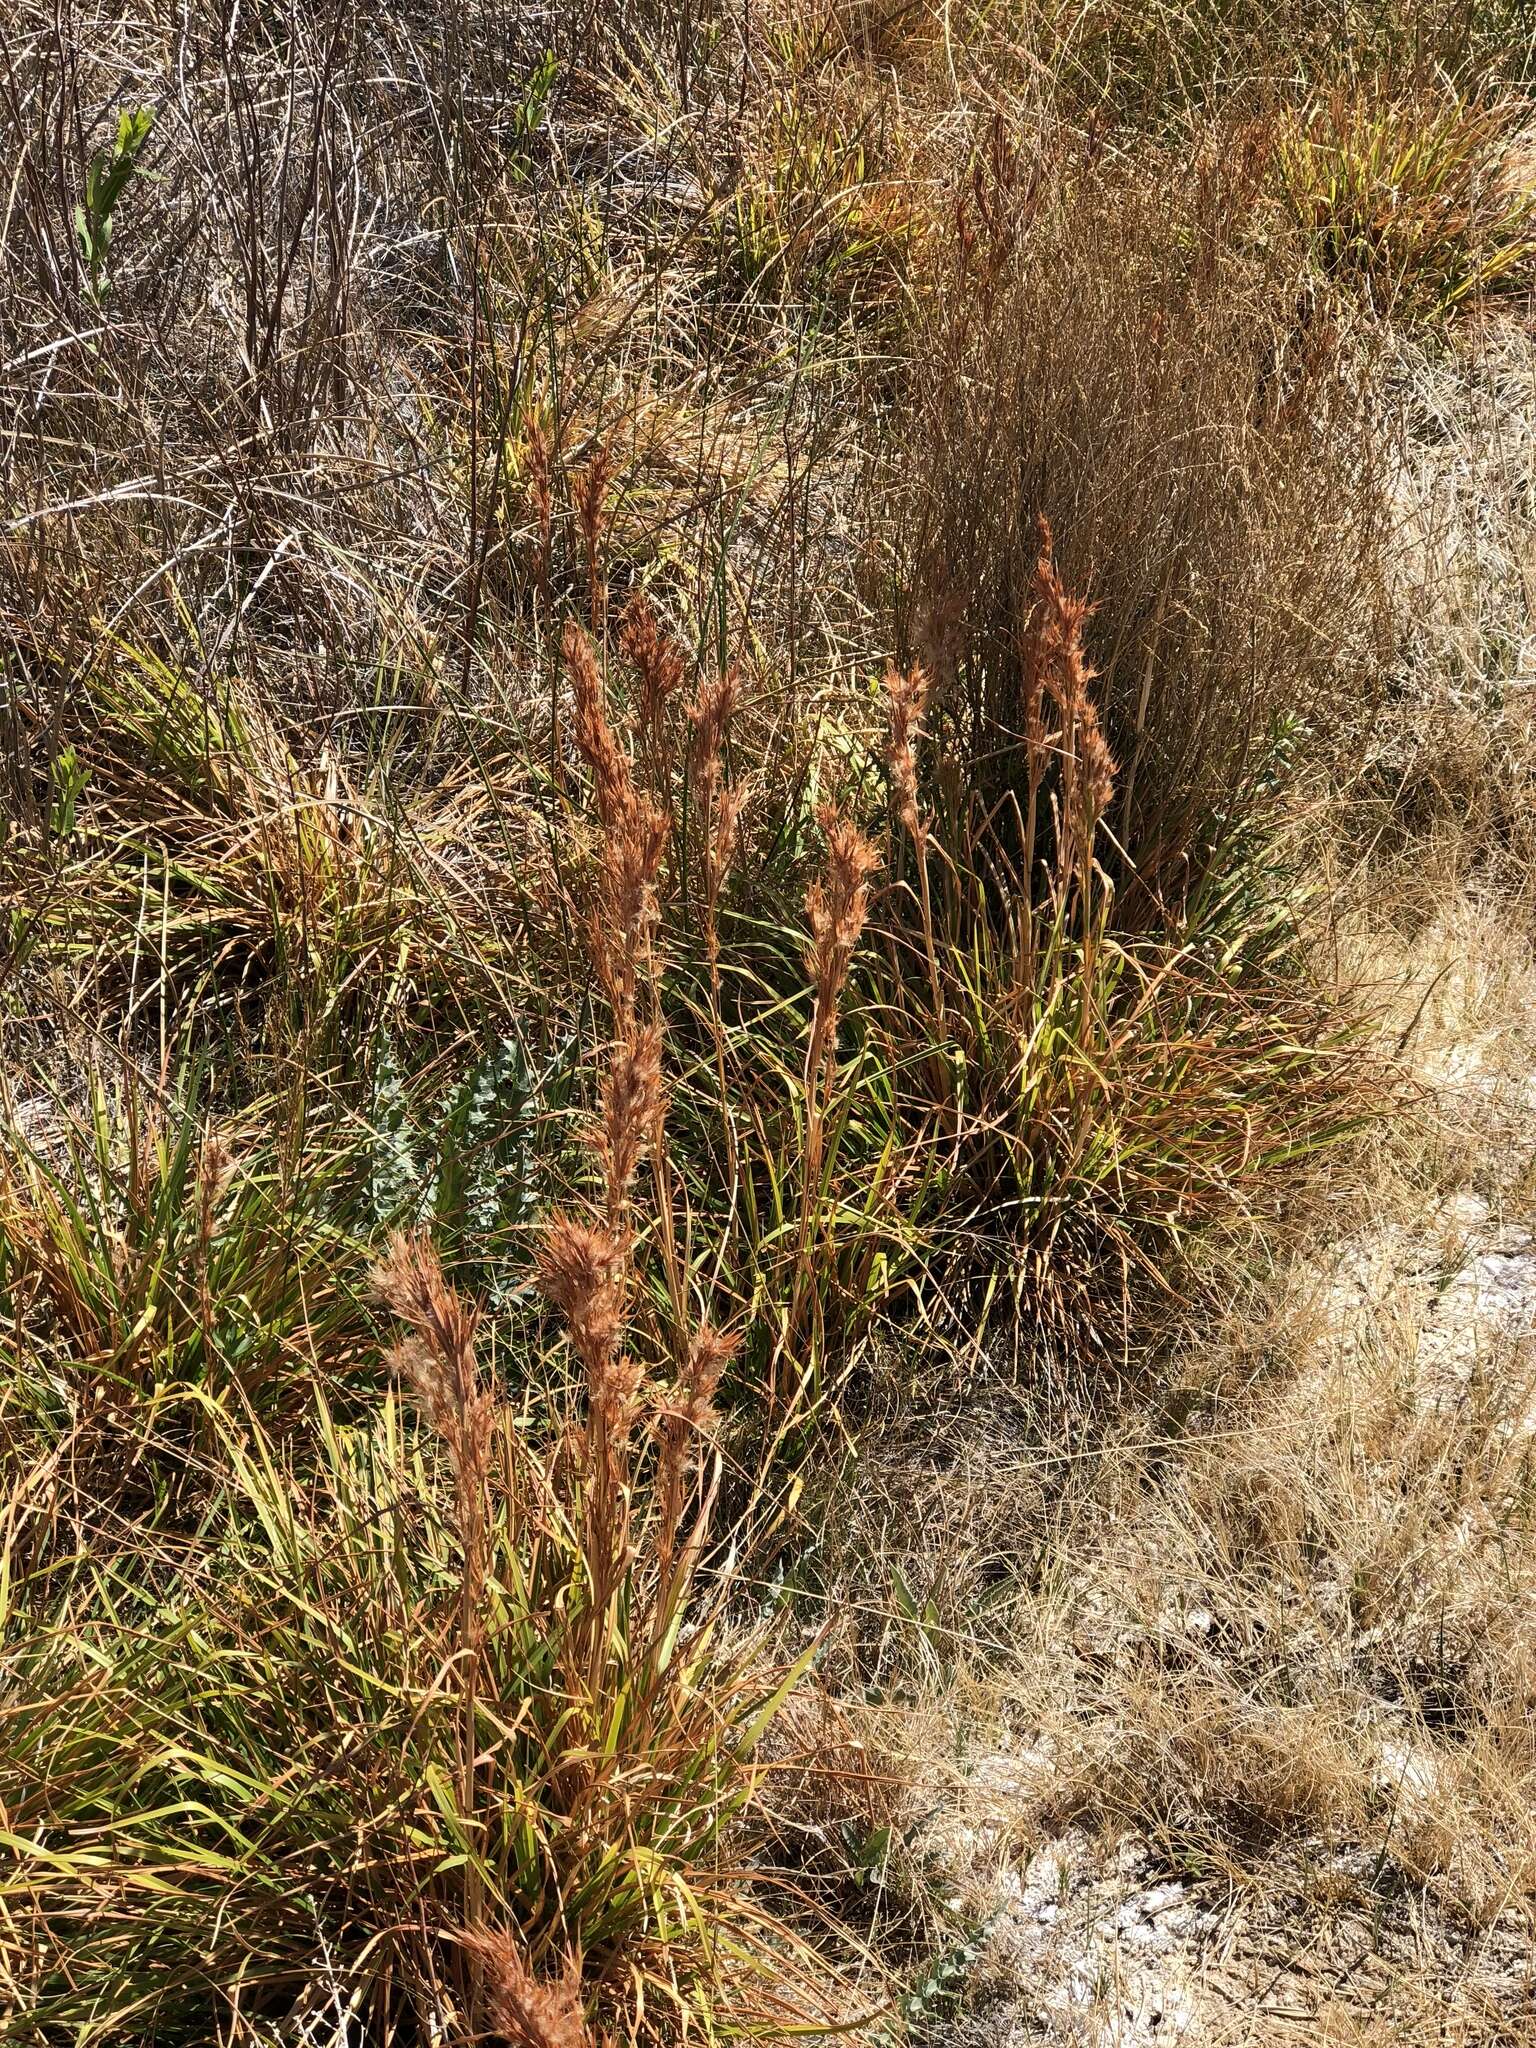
x=591, y=494
x=1057, y=659
x=635, y=834
x=908, y=694
x=711, y=713
x=628, y=909
x=580, y=1269
x=525, y=2010
x=838, y=906
x=613, y=786
x=436, y=1360
x=1060, y=623
x=614, y=1390
x=416, y=1365
x=656, y=658
x=709, y=1353
x=1098, y=762
x=410, y=1281
x=727, y=827
x=631, y=1103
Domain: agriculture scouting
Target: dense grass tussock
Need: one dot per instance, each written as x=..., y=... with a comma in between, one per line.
x=1235, y=564
x=665, y=687
x=447, y=1722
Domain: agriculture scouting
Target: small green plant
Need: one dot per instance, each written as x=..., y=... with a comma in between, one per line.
x=528, y=114
x=812, y=218
x=466, y=1160
x=936, y=1993
x=106, y=181
x=69, y=778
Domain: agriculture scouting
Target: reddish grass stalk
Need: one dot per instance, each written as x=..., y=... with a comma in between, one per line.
x=592, y=518
x=689, y=1420
x=659, y=663
x=908, y=695
x=1056, y=664
x=634, y=840
x=585, y=1267
x=436, y=1360
x=837, y=906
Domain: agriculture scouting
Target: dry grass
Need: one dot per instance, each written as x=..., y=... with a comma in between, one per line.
x=1253, y=1655
x=1233, y=560
x=778, y=707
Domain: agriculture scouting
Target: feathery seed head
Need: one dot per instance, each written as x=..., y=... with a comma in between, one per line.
x=908, y=695
x=1057, y=658
x=436, y=1360
x=613, y=785
x=525, y=2010
x=655, y=657
x=727, y=826
x=838, y=904
x=634, y=829
x=591, y=494
x=631, y=1103
x=581, y=1270
x=711, y=713
x=410, y=1281
x=709, y=1353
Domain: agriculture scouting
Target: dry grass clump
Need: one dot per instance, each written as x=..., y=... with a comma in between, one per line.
x=838, y=1793
x=276, y=890
x=1318, y=1652
x=1109, y=353
x=1163, y=67
x=149, y=1251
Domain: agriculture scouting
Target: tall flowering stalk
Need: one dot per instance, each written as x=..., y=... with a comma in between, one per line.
x=659, y=665
x=585, y=1265
x=633, y=844
x=436, y=1361
x=906, y=692
x=837, y=909
x=1057, y=666
x=608, y=1530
